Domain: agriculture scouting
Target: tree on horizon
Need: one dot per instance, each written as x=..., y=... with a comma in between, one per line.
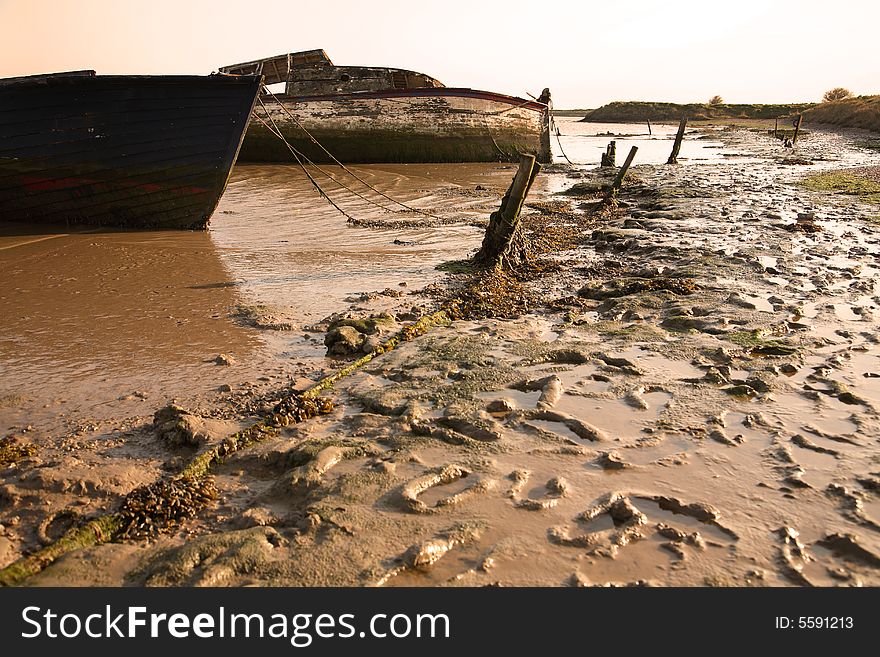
x=838, y=93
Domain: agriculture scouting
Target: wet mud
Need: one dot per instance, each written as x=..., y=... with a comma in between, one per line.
x=678, y=388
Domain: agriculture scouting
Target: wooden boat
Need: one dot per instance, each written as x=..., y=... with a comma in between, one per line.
x=130, y=151
x=367, y=114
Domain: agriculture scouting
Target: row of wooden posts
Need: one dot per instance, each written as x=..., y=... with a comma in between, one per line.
x=500, y=244
x=610, y=154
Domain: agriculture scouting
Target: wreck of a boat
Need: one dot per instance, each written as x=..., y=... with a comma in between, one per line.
x=129, y=151
x=369, y=114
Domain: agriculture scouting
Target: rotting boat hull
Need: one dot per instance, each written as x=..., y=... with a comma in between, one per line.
x=139, y=152
x=401, y=125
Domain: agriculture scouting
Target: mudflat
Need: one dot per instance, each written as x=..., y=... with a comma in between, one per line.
x=681, y=388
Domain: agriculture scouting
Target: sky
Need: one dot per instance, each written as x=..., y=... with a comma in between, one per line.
x=588, y=53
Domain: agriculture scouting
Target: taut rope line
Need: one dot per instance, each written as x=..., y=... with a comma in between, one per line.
x=337, y=162
x=278, y=134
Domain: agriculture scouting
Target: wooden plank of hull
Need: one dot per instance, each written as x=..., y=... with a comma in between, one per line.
x=129, y=151
x=430, y=125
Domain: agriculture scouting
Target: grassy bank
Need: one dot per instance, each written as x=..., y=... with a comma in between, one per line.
x=861, y=183
x=858, y=112
x=639, y=111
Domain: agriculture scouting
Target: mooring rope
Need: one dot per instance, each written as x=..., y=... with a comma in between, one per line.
x=555, y=128
x=278, y=134
x=506, y=156
x=300, y=156
x=336, y=161
x=308, y=175
x=293, y=408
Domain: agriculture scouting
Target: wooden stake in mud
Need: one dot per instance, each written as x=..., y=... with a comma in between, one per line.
x=797, y=128
x=610, y=155
x=618, y=181
x=776, y=129
x=676, y=146
x=503, y=243
x=649, y=128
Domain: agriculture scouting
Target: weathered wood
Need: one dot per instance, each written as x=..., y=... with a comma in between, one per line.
x=318, y=80
x=502, y=244
x=797, y=129
x=618, y=181
x=373, y=127
x=610, y=155
x=776, y=129
x=131, y=151
x=649, y=128
x=676, y=146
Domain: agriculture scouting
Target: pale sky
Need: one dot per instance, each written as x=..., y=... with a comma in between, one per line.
x=588, y=53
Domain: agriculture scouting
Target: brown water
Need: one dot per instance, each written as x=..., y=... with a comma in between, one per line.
x=285, y=245
x=91, y=316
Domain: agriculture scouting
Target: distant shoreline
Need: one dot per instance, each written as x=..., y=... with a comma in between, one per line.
x=858, y=112
x=641, y=111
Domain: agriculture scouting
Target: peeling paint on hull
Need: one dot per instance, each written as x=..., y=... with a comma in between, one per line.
x=414, y=125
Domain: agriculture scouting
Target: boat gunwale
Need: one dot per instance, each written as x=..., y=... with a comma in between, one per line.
x=75, y=78
x=459, y=92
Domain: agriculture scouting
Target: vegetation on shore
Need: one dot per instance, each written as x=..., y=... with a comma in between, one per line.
x=839, y=108
x=571, y=112
x=856, y=112
x=852, y=182
x=638, y=111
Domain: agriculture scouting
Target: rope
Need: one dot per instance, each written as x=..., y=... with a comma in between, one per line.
x=305, y=171
x=554, y=127
x=506, y=156
x=337, y=162
x=299, y=156
x=278, y=134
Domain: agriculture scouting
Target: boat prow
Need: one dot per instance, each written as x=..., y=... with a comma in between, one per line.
x=135, y=152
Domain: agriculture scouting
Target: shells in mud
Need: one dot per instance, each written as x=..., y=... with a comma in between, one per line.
x=13, y=449
x=294, y=409
x=159, y=507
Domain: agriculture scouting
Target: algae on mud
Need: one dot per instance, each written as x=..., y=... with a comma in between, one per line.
x=858, y=183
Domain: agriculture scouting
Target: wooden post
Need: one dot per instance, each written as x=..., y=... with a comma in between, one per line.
x=797, y=129
x=618, y=181
x=676, y=146
x=503, y=242
x=649, y=128
x=776, y=129
x=610, y=155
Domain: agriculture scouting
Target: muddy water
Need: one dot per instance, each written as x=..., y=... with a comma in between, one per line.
x=89, y=317
x=101, y=322
x=284, y=245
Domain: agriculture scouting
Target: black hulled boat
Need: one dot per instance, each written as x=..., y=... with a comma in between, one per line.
x=130, y=151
